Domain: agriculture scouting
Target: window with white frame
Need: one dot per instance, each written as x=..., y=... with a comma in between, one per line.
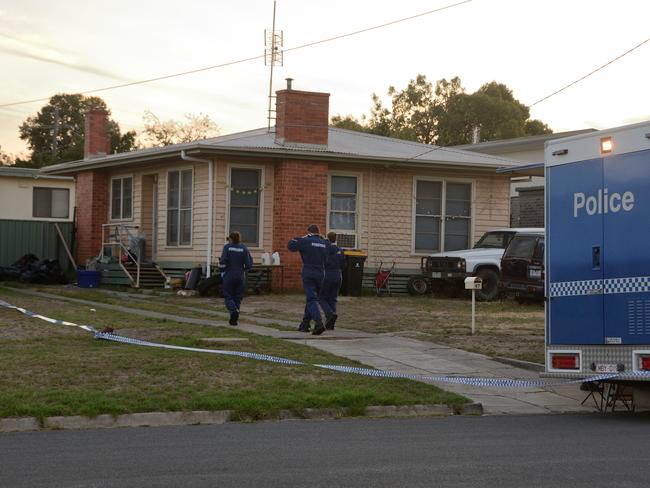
x=51, y=203
x=122, y=198
x=343, y=209
x=443, y=215
x=179, y=208
x=245, y=191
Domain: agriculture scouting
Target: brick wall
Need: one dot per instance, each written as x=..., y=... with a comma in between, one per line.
x=92, y=209
x=299, y=199
x=302, y=117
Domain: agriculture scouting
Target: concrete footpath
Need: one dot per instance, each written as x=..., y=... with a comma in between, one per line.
x=400, y=354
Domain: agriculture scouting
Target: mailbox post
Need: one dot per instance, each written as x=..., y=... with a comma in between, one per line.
x=473, y=283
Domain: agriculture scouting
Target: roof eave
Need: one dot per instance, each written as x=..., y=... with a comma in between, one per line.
x=201, y=149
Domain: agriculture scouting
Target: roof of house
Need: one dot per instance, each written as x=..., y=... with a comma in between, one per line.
x=13, y=172
x=344, y=146
x=519, y=143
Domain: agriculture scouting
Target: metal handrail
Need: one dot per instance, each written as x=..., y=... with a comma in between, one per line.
x=119, y=241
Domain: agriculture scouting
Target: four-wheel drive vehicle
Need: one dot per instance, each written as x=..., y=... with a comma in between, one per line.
x=522, y=266
x=483, y=260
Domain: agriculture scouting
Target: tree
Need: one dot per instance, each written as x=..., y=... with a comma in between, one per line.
x=446, y=115
x=164, y=133
x=5, y=158
x=56, y=133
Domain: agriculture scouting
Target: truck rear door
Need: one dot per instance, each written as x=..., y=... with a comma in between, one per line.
x=626, y=252
x=574, y=241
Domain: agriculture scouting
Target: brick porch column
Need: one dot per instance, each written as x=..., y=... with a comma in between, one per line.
x=299, y=199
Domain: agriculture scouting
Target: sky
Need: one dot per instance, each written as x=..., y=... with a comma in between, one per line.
x=533, y=47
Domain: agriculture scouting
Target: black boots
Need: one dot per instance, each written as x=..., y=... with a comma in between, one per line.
x=303, y=327
x=234, y=317
x=330, y=321
x=318, y=329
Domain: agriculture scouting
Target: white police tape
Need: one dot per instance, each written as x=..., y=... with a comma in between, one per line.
x=248, y=355
x=463, y=380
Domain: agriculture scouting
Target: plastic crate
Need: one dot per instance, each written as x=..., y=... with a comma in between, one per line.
x=88, y=279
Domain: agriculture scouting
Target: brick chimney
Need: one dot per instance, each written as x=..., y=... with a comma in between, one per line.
x=301, y=117
x=96, y=140
x=92, y=190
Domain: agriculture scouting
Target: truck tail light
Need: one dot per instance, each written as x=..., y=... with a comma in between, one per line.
x=644, y=362
x=565, y=361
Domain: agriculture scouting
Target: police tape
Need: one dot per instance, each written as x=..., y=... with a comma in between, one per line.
x=377, y=373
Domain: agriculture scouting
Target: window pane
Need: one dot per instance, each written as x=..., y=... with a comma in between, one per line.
x=521, y=247
x=186, y=227
x=116, y=196
x=429, y=189
x=239, y=196
x=173, y=189
x=459, y=199
x=427, y=206
x=186, y=189
x=242, y=216
x=245, y=178
x=348, y=203
x=248, y=233
x=42, y=198
x=539, y=251
x=127, y=197
x=172, y=227
x=344, y=184
x=427, y=242
x=245, y=203
x=427, y=234
x=428, y=198
x=427, y=224
x=456, y=234
x=60, y=203
x=342, y=221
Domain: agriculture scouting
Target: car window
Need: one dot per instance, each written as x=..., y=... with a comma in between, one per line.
x=521, y=247
x=495, y=240
x=539, y=250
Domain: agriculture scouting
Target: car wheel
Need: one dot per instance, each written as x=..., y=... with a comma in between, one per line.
x=490, y=289
x=418, y=285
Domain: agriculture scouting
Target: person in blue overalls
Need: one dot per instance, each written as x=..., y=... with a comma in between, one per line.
x=332, y=282
x=313, y=251
x=235, y=259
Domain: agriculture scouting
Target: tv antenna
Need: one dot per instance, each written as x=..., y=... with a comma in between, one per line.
x=273, y=56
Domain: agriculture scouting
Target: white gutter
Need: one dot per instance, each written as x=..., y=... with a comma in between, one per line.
x=210, y=164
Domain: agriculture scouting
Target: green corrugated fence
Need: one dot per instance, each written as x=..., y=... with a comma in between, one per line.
x=20, y=237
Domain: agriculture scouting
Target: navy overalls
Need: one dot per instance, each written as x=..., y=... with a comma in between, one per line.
x=313, y=251
x=332, y=282
x=236, y=259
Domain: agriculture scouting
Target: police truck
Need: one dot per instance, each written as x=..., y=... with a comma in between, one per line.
x=598, y=257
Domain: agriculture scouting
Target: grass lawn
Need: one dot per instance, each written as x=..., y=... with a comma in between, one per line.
x=48, y=370
x=503, y=328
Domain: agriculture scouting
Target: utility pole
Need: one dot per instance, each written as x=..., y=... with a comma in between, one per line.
x=56, y=127
x=273, y=55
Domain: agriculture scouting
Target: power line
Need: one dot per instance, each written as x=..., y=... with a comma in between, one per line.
x=231, y=63
x=591, y=73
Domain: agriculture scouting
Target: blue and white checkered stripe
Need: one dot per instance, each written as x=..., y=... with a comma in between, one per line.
x=575, y=288
x=634, y=284
x=378, y=373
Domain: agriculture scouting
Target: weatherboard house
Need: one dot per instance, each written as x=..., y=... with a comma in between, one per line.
x=395, y=200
